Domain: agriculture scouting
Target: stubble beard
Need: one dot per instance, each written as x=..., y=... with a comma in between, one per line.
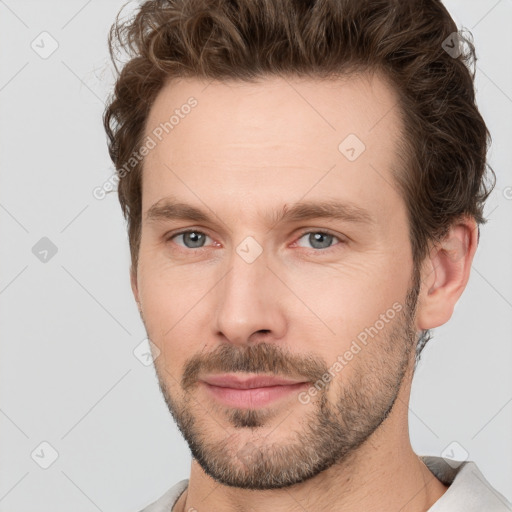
x=330, y=433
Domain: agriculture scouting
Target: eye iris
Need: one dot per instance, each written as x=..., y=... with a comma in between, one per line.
x=193, y=239
x=320, y=240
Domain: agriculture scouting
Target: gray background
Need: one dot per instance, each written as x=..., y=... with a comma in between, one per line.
x=69, y=376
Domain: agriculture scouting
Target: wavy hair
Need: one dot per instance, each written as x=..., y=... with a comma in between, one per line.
x=443, y=173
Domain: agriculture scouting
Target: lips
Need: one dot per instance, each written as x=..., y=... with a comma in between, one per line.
x=258, y=381
x=250, y=392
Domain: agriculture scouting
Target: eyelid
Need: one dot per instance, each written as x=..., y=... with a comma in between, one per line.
x=168, y=237
x=342, y=239
x=325, y=231
x=170, y=234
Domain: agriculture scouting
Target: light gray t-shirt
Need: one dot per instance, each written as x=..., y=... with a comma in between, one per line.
x=468, y=490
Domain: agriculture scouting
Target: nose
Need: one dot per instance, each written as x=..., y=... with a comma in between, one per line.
x=249, y=305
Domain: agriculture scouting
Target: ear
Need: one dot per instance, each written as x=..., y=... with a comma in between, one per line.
x=445, y=273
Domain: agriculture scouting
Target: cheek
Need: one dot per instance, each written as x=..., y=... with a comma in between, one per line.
x=345, y=301
x=172, y=302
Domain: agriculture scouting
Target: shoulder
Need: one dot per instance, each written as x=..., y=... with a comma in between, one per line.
x=468, y=491
x=167, y=501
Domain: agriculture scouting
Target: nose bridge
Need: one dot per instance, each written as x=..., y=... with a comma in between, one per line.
x=246, y=298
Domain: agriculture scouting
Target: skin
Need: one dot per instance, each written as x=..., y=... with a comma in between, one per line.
x=242, y=155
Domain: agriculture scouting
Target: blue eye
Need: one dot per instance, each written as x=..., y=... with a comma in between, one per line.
x=318, y=239
x=191, y=239
x=194, y=239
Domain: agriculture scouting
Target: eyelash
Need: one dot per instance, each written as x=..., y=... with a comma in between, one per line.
x=341, y=241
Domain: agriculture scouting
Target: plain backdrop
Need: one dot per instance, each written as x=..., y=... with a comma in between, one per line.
x=74, y=395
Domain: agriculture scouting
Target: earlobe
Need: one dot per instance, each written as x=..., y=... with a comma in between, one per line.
x=445, y=274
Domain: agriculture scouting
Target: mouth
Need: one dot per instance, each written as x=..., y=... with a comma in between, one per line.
x=250, y=392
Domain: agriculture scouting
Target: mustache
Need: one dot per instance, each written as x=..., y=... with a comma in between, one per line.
x=259, y=358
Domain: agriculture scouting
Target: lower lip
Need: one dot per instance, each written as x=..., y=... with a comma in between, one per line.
x=255, y=397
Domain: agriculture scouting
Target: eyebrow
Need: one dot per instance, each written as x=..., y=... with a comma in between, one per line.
x=170, y=209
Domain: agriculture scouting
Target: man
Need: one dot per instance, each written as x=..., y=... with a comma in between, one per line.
x=303, y=184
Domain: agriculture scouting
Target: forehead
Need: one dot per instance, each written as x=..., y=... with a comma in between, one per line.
x=287, y=137
x=293, y=109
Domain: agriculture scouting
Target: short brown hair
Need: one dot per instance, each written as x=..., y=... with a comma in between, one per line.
x=445, y=139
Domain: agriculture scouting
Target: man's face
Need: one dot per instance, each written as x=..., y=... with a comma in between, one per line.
x=274, y=244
